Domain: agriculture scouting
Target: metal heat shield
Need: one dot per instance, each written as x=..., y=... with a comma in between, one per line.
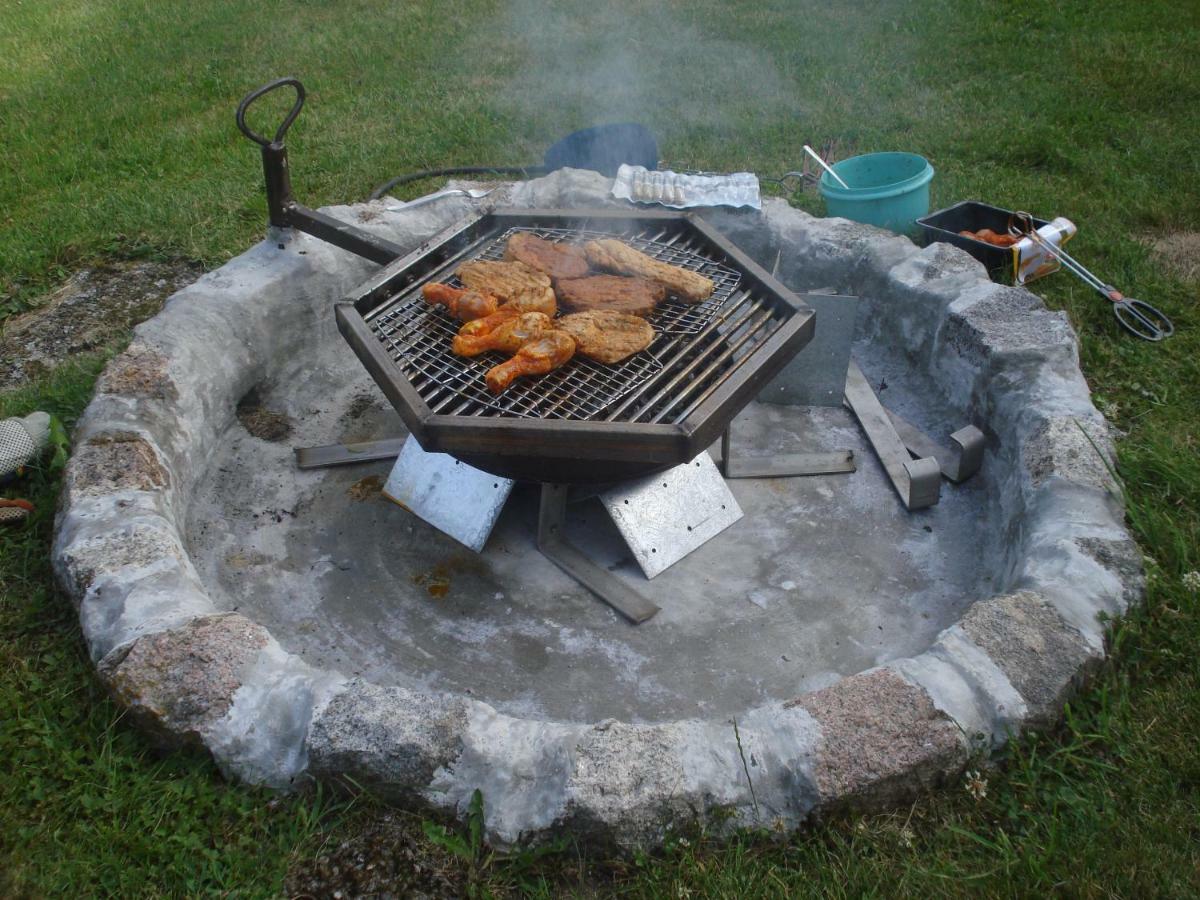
x=456, y=499
x=665, y=517
x=816, y=376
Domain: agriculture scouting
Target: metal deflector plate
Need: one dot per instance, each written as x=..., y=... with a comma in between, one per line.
x=454, y=498
x=665, y=517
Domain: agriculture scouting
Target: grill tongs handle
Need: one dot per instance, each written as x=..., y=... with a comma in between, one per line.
x=284, y=125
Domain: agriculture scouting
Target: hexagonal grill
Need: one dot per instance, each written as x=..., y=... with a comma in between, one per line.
x=585, y=420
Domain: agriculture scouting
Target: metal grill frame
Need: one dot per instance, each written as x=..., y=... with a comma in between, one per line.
x=597, y=450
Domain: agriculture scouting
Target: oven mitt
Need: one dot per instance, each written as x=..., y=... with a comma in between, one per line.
x=13, y=512
x=24, y=440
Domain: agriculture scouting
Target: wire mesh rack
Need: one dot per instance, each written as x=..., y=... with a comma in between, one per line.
x=419, y=338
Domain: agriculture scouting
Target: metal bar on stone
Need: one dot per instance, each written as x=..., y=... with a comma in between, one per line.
x=791, y=465
x=917, y=481
x=785, y=465
x=346, y=454
x=958, y=462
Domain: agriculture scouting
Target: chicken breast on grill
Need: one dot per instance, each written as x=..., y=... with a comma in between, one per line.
x=555, y=260
x=614, y=256
x=511, y=283
x=635, y=296
x=605, y=335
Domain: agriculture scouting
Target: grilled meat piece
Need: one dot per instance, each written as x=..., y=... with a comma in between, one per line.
x=546, y=353
x=613, y=256
x=477, y=327
x=605, y=335
x=635, y=296
x=556, y=260
x=541, y=300
x=463, y=305
x=508, y=337
x=510, y=283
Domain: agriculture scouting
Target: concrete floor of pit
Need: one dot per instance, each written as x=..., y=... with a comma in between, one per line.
x=823, y=576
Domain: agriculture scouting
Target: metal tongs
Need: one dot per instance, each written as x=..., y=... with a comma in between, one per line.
x=1136, y=316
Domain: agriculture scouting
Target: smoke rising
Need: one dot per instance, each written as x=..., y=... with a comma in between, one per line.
x=564, y=66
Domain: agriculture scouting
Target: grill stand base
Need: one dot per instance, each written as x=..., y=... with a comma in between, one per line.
x=660, y=527
x=552, y=542
x=456, y=499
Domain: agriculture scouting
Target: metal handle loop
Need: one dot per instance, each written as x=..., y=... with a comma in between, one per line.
x=287, y=122
x=1140, y=318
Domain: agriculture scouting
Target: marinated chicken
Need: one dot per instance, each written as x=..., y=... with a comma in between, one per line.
x=555, y=260
x=635, y=296
x=546, y=353
x=463, y=305
x=607, y=336
x=614, y=256
x=508, y=337
x=512, y=283
x=476, y=327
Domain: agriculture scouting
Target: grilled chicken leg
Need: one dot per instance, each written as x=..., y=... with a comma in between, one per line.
x=463, y=305
x=539, y=356
x=508, y=337
x=488, y=324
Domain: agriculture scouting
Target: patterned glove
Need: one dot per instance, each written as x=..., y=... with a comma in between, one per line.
x=21, y=442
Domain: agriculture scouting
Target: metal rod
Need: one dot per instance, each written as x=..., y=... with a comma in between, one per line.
x=552, y=542
x=917, y=481
x=341, y=234
x=345, y=454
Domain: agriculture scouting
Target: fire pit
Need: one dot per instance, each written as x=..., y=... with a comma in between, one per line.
x=829, y=648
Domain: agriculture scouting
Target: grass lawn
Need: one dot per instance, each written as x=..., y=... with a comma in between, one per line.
x=117, y=138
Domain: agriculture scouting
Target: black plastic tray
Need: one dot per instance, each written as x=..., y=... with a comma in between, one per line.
x=971, y=215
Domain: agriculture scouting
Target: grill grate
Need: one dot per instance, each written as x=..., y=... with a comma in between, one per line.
x=418, y=337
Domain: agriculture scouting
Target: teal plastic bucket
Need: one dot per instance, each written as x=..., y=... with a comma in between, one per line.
x=890, y=190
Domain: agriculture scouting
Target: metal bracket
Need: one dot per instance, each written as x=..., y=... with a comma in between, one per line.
x=552, y=542
x=917, y=481
x=456, y=499
x=665, y=517
x=958, y=462
x=812, y=377
x=784, y=465
x=345, y=454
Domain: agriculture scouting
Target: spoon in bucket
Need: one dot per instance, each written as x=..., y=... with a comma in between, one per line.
x=1136, y=316
x=824, y=165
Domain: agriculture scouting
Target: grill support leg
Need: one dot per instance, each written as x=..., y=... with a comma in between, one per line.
x=552, y=542
x=782, y=465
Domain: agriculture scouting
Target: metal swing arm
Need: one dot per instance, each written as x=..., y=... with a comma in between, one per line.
x=282, y=208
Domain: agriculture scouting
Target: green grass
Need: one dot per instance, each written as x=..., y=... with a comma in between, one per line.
x=116, y=131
